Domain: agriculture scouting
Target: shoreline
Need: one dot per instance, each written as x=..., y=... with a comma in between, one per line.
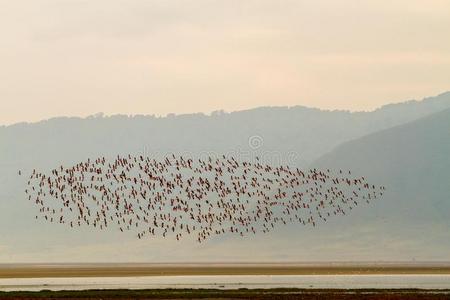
x=130, y=270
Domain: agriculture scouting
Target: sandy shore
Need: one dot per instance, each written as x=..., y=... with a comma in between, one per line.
x=114, y=270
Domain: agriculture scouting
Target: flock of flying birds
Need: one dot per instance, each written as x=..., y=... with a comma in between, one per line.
x=180, y=197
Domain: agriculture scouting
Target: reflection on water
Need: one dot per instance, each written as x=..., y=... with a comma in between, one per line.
x=230, y=282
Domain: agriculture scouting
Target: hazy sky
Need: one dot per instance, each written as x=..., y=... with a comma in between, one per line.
x=159, y=56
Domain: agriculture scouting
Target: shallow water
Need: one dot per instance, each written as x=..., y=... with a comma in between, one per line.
x=230, y=282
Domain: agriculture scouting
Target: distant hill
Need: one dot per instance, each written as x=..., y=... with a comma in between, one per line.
x=410, y=222
x=402, y=146
x=413, y=161
x=295, y=135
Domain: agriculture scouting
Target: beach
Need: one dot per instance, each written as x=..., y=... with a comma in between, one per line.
x=210, y=269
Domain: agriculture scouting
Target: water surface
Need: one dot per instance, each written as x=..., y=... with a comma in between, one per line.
x=432, y=281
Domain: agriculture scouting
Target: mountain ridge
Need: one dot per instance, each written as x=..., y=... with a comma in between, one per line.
x=101, y=115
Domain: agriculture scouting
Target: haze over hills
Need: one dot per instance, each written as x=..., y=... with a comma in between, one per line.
x=409, y=223
x=402, y=146
x=413, y=160
x=295, y=135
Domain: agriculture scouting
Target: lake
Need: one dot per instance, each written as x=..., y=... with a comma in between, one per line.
x=420, y=281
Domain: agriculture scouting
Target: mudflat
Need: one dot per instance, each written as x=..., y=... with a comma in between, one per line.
x=117, y=270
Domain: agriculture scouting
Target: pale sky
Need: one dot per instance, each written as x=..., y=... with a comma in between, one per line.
x=80, y=57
